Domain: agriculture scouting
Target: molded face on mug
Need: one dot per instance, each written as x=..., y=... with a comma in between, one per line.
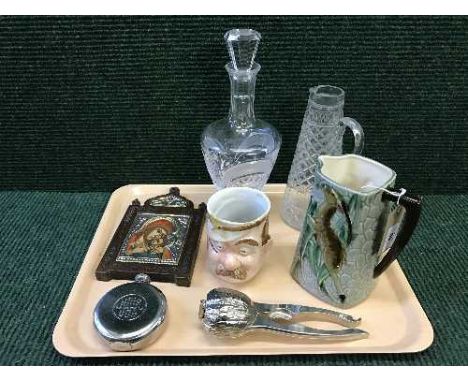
x=240, y=258
x=238, y=238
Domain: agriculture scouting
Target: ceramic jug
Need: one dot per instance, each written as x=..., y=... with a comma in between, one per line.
x=356, y=224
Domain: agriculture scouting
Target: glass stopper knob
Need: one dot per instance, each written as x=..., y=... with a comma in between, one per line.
x=242, y=45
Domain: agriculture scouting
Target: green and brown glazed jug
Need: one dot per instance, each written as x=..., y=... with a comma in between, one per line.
x=355, y=226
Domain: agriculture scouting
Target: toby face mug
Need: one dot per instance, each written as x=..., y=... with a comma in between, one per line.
x=355, y=226
x=237, y=228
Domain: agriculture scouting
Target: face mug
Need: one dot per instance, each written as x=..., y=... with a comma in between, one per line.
x=237, y=228
x=356, y=225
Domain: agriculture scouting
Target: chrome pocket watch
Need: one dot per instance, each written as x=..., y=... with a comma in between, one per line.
x=132, y=315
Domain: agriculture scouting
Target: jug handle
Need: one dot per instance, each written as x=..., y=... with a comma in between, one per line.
x=412, y=206
x=357, y=131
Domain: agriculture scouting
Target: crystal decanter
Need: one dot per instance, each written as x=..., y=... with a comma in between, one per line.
x=322, y=133
x=241, y=150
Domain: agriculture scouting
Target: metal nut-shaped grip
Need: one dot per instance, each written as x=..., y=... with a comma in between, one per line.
x=226, y=312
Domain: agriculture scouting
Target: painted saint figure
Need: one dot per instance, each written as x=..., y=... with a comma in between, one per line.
x=152, y=238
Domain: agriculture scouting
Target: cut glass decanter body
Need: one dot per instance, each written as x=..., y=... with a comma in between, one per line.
x=241, y=150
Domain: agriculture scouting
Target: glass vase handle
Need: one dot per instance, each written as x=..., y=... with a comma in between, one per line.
x=357, y=131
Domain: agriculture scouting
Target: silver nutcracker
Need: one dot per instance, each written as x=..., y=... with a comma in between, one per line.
x=230, y=313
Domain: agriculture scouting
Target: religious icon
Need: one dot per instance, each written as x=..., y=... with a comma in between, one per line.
x=155, y=238
x=159, y=239
x=152, y=239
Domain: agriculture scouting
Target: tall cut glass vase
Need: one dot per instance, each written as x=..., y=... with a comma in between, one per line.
x=322, y=133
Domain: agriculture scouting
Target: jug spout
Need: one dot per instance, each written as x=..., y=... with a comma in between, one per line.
x=354, y=173
x=327, y=97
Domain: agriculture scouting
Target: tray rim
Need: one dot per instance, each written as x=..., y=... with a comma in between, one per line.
x=269, y=188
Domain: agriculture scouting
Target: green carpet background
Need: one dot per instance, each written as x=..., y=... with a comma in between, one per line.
x=94, y=103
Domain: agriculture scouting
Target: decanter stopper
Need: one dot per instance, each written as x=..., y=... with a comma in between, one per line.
x=242, y=45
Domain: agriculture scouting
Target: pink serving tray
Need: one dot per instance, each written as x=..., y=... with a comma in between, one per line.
x=392, y=314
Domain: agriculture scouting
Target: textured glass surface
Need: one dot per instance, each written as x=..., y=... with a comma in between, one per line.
x=241, y=150
x=321, y=133
x=242, y=46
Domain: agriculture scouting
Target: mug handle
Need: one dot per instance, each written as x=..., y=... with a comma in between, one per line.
x=412, y=206
x=357, y=131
